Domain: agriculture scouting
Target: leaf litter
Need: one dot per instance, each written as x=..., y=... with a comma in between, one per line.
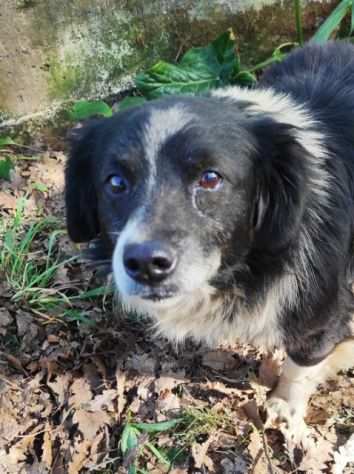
x=84, y=389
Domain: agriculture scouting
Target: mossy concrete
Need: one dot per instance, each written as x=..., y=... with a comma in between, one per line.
x=52, y=51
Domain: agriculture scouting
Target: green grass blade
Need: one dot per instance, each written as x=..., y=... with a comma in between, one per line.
x=332, y=22
x=157, y=427
x=157, y=454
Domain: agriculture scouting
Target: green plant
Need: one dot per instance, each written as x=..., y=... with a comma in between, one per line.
x=330, y=25
x=138, y=436
x=186, y=430
x=6, y=164
x=216, y=65
x=30, y=261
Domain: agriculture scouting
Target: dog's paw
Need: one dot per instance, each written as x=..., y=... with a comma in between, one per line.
x=292, y=425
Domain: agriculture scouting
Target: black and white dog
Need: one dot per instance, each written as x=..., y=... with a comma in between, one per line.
x=231, y=215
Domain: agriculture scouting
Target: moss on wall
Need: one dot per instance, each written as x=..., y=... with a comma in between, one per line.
x=57, y=50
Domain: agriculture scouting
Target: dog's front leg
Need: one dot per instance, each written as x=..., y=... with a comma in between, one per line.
x=287, y=404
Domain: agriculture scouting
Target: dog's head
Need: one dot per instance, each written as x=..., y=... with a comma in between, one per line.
x=185, y=190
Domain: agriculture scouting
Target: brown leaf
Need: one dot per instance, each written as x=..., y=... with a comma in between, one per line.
x=250, y=409
x=78, y=459
x=318, y=453
x=103, y=401
x=61, y=387
x=269, y=371
x=257, y=450
x=199, y=453
x=7, y=201
x=47, y=448
x=80, y=393
x=220, y=360
x=90, y=423
x=167, y=400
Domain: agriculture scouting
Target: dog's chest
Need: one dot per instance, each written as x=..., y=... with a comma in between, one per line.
x=207, y=318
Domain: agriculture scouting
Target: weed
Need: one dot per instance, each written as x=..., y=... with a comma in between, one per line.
x=199, y=423
x=30, y=261
x=215, y=65
x=192, y=426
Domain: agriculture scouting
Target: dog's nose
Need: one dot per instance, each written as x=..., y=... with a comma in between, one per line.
x=149, y=262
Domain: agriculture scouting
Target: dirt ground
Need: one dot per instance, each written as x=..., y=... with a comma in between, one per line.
x=79, y=381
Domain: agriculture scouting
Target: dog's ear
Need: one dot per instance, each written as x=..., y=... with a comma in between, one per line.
x=80, y=192
x=281, y=170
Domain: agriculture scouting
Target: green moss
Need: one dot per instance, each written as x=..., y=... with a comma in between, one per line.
x=102, y=56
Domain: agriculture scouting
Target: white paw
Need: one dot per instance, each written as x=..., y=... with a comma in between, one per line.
x=281, y=416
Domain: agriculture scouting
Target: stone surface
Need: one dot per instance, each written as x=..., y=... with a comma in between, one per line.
x=52, y=51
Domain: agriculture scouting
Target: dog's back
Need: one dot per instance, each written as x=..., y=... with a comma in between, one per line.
x=321, y=77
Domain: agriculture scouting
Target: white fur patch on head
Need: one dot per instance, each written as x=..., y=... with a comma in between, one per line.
x=131, y=233
x=283, y=109
x=162, y=124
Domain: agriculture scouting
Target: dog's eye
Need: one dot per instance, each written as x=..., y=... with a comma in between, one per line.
x=210, y=180
x=117, y=184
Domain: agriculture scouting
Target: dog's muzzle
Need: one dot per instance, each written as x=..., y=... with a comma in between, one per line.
x=150, y=262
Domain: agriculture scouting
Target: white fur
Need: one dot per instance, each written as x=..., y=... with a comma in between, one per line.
x=283, y=109
x=289, y=400
x=202, y=315
x=162, y=125
x=132, y=232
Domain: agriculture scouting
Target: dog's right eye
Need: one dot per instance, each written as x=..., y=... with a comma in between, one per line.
x=117, y=184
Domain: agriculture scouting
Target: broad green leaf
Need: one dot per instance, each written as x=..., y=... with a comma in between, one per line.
x=225, y=50
x=200, y=69
x=6, y=140
x=166, y=79
x=352, y=19
x=129, y=439
x=129, y=102
x=332, y=22
x=84, y=109
x=244, y=78
x=157, y=427
x=6, y=166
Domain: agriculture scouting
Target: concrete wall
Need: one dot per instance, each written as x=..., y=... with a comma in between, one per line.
x=54, y=50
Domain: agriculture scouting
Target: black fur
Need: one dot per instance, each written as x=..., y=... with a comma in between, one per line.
x=267, y=204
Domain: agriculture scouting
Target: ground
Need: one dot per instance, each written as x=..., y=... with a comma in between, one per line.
x=85, y=388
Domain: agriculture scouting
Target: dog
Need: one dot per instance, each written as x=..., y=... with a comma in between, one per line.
x=230, y=215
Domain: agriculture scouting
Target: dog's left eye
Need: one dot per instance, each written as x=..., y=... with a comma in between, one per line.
x=210, y=180
x=117, y=184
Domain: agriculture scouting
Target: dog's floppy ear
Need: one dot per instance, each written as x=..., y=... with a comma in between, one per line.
x=80, y=192
x=281, y=171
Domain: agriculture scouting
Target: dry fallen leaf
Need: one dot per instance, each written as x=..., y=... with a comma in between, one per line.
x=318, y=452
x=220, y=360
x=7, y=201
x=269, y=371
x=199, y=453
x=80, y=393
x=90, y=423
x=344, y=456
x=78, y=459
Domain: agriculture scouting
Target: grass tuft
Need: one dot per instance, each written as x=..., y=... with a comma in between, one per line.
x=30, y=261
